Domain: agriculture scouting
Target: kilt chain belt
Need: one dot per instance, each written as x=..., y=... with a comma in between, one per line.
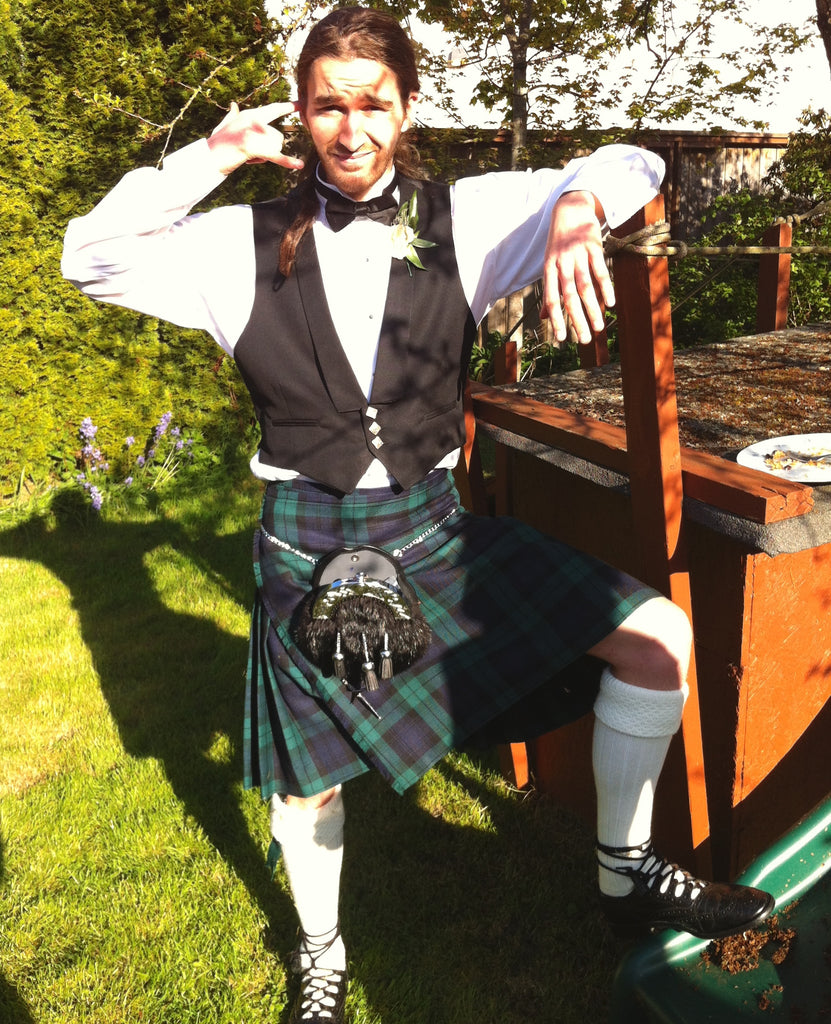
x=397, y=553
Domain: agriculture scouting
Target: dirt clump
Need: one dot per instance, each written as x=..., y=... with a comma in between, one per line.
x=738, y=953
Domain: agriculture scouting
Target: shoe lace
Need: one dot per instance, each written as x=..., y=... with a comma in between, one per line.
x=653, y=871
x=319, y=992
x=320, y=986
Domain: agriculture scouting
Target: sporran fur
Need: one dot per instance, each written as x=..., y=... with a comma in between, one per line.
x=361, y=621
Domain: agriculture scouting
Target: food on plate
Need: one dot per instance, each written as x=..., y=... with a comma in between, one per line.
x=783, y=459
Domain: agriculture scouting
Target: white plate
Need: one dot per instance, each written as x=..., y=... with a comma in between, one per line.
x=803, y=444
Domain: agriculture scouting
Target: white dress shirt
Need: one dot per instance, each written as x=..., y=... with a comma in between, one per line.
x=140, y=247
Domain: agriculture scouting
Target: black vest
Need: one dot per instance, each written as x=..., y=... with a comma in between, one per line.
x=313, y=415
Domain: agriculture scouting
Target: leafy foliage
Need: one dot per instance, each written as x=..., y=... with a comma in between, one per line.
x=715, y=298
x=87, y=91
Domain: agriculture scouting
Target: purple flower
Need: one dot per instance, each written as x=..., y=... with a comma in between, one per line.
x=162, y=425
x=96, y=497
x=88, y=429
x=129, y=441
x=128, y=480
x=180, y=444
x=151, y=454
x=175, y=432
x=140, y=460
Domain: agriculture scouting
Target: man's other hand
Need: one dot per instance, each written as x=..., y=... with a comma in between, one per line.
x=575, y=269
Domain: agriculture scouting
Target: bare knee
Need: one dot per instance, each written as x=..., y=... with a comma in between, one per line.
x=311, y=803
x=651, y=647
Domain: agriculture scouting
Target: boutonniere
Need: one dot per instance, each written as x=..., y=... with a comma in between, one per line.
x=405, y=238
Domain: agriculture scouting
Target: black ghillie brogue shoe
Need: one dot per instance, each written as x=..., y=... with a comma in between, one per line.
x=322, y=994
x=666, y=896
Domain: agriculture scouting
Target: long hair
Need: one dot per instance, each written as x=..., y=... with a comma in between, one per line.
x=351, y=33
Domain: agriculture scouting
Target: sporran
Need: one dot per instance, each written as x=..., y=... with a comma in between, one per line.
x=362, y=621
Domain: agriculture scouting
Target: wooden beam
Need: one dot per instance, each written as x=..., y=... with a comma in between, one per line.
x=655, y=476
x=506, y=368
x=469, y=474
x=756, y=496
x=774, y=281
x=506, y=363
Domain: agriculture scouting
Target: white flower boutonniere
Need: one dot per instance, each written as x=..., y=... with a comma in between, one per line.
x=405, y=238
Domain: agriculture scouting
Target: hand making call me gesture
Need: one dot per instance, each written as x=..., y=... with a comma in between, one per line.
x=574, y=269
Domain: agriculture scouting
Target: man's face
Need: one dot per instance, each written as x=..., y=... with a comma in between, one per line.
x=355, y=116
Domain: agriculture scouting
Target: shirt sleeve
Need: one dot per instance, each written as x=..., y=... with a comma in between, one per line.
x=141, y=248
x=501, y=220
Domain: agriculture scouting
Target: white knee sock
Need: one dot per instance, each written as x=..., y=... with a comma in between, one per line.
x=312, y=846
x=633, y=729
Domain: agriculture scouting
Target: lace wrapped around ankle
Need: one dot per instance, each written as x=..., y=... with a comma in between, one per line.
x=649, y=869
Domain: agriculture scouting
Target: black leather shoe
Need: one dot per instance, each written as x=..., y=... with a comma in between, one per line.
x=322, y=994
x=666, y=896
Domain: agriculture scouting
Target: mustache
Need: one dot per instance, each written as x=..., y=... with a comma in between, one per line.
x=340, y=150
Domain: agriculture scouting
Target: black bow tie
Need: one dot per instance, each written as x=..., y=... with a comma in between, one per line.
x=341, y=211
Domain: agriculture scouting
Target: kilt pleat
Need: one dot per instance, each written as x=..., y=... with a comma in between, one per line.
x=509, y=609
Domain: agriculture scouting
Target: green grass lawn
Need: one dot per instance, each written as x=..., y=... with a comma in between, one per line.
x=132, y=872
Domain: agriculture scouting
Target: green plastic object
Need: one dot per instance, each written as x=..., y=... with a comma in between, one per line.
x=666, y=979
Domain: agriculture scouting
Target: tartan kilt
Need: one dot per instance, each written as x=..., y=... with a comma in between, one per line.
x=509, y=609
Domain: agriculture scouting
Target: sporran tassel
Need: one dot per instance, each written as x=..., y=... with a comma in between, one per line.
x=368, y=669
x=338, y=661
x=386, y=659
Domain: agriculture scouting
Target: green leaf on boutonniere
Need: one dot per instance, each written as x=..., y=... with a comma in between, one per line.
x=405, y=238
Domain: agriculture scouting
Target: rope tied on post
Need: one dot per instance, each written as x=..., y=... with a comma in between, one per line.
x=655, y=240
x=820, y=210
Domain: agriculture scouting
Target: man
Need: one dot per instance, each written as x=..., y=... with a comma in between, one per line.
x=351, y=328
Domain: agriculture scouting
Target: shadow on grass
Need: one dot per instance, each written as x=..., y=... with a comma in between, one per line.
x=173, y=681
x=13, y=1008
x=494, y=922
x=444, y=924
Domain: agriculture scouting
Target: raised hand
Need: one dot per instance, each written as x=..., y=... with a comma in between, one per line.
x=575, y=268
x=248, y=137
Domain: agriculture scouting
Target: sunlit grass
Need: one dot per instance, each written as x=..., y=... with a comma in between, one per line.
x=134, y=883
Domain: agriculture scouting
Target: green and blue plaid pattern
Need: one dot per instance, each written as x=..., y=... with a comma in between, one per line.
x=509, y=609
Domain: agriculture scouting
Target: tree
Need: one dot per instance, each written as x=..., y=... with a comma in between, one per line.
x=564, y=64
x=824, y=25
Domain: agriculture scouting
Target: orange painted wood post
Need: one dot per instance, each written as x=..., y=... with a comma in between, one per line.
x=654, y=458
x=505, y=371
x=506, y=363
x=595, y=352
x=774, y=281
x=469, y=475
x=514, y=764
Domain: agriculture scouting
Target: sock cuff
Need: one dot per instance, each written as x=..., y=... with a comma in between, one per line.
x=324, y=824
x=638, y=711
